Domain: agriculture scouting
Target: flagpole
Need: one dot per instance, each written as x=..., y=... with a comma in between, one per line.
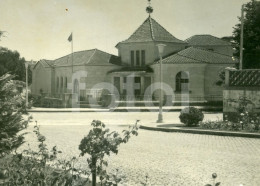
x=72, y=50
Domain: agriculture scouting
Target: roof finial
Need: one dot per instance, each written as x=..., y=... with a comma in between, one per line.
x=149, y=8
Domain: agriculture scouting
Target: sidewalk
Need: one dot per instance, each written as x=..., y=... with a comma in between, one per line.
x=122, y=109
x=39, y=109
x=167, y=127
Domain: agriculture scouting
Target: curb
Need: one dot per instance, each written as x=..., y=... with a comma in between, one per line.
x=164, y=110
x=205, y=132
x=118, y=109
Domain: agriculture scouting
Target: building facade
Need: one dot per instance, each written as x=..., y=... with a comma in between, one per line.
x=190, y=68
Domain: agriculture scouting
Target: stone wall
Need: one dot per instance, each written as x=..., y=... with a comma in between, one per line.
x=231, y=99
x=241, y=85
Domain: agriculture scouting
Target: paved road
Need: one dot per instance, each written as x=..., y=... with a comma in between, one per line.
x=110, y=118
x=168, y=158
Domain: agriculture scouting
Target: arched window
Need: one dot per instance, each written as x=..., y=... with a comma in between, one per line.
x=182, y=81
x=57, y=84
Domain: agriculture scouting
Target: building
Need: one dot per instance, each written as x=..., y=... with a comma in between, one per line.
x=190, y=68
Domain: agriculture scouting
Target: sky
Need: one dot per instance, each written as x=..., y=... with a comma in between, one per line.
x=39, y=29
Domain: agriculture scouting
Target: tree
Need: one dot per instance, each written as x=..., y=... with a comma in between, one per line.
x=251, y=52
x=1, y=34
x=11, y=62
x=12, y=106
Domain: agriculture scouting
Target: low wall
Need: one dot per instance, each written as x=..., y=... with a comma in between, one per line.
x=232, y=98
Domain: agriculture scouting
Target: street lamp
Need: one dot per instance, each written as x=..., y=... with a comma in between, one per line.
x=160, y=116
x=26, y=70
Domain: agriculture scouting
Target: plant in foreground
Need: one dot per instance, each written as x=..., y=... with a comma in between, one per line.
x=214, y=176
x=146, y=180
x=41, y=167
x=100, y=142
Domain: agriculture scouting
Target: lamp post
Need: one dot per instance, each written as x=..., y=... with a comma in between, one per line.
x=26, y=70
x=160, y=116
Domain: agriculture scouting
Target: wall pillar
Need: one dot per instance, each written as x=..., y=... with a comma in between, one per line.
x=227, y=77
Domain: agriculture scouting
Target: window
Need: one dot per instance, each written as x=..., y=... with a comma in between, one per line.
x=61, y=83
x=132, y=58
x=137, y=86
x=76, y=86
x=117, y=84
x=57, y=84
x=137, y=58
x=66, y=81
x=182, y=82
x=143, y=57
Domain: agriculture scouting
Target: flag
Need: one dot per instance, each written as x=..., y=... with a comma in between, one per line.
x=70, y=38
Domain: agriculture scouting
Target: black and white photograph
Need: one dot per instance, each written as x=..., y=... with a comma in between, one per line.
x=129, y=92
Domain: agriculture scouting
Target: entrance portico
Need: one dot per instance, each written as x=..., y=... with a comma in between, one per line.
x=132, y=84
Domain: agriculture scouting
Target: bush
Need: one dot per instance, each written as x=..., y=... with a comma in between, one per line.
x=191, y=116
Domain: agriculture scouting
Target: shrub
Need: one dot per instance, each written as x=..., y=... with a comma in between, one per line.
x=191, y=116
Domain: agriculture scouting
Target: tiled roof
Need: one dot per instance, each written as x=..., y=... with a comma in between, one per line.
x=201, y=40
x=79, y=58
x=87, y=57
x=150, y=30
x=198, y=55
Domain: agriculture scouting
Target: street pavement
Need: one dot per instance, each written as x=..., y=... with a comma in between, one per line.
x=167, y=158
x=111, y=118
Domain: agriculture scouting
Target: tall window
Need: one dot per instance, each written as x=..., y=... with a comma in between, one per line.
x=57, y=83
x=76, y=86
x=143, y=57
x=137, y=58
x=124, y=85
x=132, y=58
x=137, y=86
x=61, y=84
x=66, y=83
x=182, y=81
x=117, y=84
